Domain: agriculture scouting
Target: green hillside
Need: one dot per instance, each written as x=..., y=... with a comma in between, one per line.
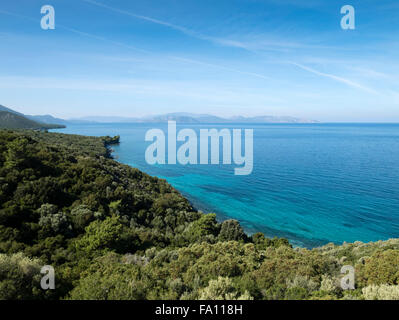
x=3, y=108
x=114, y=232
x=10, y=120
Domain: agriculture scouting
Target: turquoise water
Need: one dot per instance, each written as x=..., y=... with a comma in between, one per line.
x=311, y=183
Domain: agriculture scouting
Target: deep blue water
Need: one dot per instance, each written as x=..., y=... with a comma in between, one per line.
x=311, y=183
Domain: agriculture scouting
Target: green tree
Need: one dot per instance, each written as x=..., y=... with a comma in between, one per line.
x=20, y=277
x=231, y=230
x=107, y=235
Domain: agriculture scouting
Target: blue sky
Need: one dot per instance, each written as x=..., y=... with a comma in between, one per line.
x=224, y=57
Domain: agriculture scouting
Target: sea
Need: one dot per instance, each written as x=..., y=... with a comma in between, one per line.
x=311, y=183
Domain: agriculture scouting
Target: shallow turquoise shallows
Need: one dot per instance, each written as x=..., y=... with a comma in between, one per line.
x=311, y=183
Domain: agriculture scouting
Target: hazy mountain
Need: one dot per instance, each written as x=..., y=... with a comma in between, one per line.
x=47, y=119
x=179, y=117
x=271, y=119
x=11, y=119
x=184, y=117
x=102, y=119
x=3, y=108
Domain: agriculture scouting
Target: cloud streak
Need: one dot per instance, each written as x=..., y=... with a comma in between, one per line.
x=145, y=18
x=92, y=36
x=81, y=33
x=139, y=88
x=223, y=68
x=336, y=78
x=274, y=46
x=215, y=40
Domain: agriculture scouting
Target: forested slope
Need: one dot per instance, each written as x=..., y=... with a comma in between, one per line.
x=113, y=232
x=10, y=120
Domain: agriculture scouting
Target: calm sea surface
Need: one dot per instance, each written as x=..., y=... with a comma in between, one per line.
x=311, y=183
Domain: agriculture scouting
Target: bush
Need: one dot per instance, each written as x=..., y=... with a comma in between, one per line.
x=231, y=230
x=381, y=292
x=109, y=279
x=107, y=235
x=20, y=277
x=222, y=289
x=380, y=268
x=296, y=293
x=204, y=229
x=81, y=217
x=54, y=221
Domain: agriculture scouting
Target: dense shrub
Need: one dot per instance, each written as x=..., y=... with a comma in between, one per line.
x=20, y=277
x=381, y=268
x=222, y=289
x=113, y=232
x=231, y=230
x=381, y=292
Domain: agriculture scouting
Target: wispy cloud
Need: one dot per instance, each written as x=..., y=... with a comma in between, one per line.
x=266, y=42
x=256, y=47
x=149, y=89
x=370, y=73
x=228, y=42
x=224, y=68
x=141, y=17
x=253, y=47
x=184, y=30
x=93, y=36
x=334, y=77
x=121, y=44
x=78, y=32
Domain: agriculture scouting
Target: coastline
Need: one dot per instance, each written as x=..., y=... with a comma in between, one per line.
x=109, y=222
x=289, y=200
x=249, y=228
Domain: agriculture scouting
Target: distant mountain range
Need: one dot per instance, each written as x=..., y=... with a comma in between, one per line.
x=13, y=119
x=47, y=119
x=183, y=117
x=10, y=119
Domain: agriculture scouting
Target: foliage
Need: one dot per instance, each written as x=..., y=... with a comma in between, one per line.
x=222, y=289
x=113, y=232
x=381, y=292
x=231, y=230
x=19, y=277
x=380, y=268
